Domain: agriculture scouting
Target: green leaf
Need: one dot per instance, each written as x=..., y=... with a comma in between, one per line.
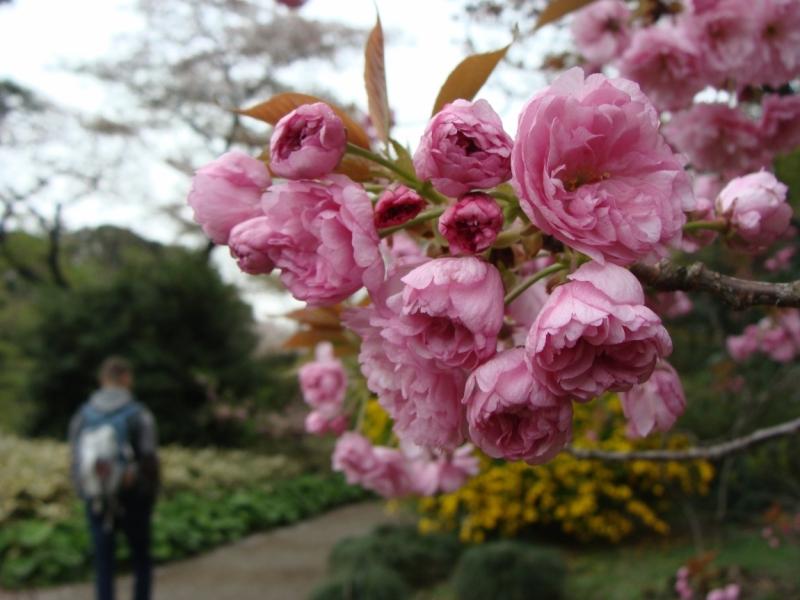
x=468, y=77
x=375, y=82
x=404, y=160
x=557, y=9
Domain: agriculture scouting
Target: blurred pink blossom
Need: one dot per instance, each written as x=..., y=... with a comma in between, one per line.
x=323, y=381
x=780, y=122
x=780, y=260
x=669, y=304
x=718, y=138
x=666, y=63
x=601, y=30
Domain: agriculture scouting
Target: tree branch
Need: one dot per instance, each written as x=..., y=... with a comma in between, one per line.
x=738, y=293
x=715, y=452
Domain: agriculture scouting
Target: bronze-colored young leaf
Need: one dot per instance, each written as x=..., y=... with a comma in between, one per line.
x=326, y=317
x=281, y=105
x=309, y=338
x=468, y=77
x=375, y=82
x=557, y=9
x=355, y=167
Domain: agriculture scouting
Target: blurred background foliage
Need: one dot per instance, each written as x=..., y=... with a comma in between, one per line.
x=190, y=337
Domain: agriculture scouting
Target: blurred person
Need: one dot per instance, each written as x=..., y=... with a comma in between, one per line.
x=115, y=468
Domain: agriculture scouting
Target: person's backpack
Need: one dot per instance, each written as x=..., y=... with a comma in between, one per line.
x=104, y=454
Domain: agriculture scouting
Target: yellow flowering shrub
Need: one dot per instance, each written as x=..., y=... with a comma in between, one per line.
x=587, y=499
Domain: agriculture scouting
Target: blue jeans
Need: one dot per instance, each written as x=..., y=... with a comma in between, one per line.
x=134, y=520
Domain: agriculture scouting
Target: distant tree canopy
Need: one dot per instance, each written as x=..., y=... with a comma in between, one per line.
x=166, y=309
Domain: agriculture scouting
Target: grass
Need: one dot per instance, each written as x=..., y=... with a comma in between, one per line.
x=634, y=572
x=646, y=569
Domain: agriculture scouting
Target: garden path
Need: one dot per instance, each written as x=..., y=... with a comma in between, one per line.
x=282, y=564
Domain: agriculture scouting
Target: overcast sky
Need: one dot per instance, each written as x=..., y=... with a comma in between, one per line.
x=38, y=36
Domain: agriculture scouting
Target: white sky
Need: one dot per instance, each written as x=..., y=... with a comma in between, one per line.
x=37, y=36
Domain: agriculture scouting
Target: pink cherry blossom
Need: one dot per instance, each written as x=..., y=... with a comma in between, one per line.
x=777, y=59
x=594, y=335
x=249, y=244
x=781, y=260
x=317, y=423
x=666, y=63
x=511, y=415
x=378, y=468
x=591, y=169
x=464, y=148
x=601, y=30
x=227, y=192
x=424, y=400
x=471, y=225
x=307, y=143
x=669, y=304
x=324, y=239
x=323, y=381
x=437, y=470
x=725, y=38
x=397, y=206
x=718, y=138
x=451, y=311
x=780, y=122
x=756, y=210
x=742, y=347
x=655, y=404
x=781, y=338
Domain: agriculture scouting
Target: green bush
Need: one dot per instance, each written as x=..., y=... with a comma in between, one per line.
x=508, y=570
x=371, y=581
x=37, y=552
x=422, y=560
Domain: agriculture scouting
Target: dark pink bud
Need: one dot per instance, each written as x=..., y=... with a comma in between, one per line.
x=471, y=225
x=396, y=207
x=292, y=3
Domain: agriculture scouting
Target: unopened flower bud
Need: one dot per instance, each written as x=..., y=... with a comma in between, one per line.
x=307, y=143
x=472, y=224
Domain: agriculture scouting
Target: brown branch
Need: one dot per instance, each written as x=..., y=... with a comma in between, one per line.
x=738, y=293
x=715, y=452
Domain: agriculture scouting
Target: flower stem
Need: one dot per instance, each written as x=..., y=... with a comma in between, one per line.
x=514, y=294
x=379, y=160
x=421, y=218
x=718, y=225
x=410, y=180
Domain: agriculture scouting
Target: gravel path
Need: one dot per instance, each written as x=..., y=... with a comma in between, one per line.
x=283, y=564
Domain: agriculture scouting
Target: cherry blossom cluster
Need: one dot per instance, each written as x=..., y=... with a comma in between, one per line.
x=776, y=336
x=748, y=51
x=495, y=273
